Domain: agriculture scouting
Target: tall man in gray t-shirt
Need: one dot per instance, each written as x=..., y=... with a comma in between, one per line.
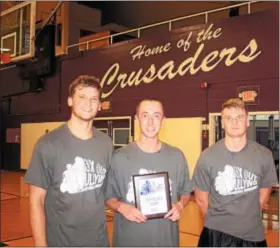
x=66, y=175
x=233, y=180
x=147, y=155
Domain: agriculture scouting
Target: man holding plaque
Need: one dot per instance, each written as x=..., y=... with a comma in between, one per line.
x=148, y=185
x=233, y=181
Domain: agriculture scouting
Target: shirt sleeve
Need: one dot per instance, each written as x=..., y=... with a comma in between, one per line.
x=38, y=172
x=269, y=177
x=108, y=166
x=185, y=186
x=201, y=177
x=112, y=188
x=110, y=154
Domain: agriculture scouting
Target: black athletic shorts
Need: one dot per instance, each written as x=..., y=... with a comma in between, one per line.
x=213, y=238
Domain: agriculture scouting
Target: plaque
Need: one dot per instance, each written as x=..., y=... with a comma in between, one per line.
x=152, y=194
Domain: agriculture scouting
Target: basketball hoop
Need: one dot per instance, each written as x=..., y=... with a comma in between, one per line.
x=5, y=58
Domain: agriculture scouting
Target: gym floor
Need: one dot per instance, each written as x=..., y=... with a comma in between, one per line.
x=16, y=231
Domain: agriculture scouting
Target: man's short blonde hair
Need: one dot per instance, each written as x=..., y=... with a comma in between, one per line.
x=84, y=81
x=234, y=103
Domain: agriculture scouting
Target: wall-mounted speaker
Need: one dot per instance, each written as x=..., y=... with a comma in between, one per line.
x=43, y=64
x=45, y=50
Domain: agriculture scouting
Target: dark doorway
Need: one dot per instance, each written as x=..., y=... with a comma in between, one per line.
x=9, y=146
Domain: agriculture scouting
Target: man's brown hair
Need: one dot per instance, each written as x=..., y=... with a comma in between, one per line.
x=84, y=81
x=234, y=103
x=151, y=99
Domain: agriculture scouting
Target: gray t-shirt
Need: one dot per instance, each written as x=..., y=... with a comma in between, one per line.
x=233, y=180
x=72, y=171
x=131, y=160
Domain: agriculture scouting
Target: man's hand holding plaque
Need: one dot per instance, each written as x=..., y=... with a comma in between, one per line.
x=131, y=213
x=175, y=213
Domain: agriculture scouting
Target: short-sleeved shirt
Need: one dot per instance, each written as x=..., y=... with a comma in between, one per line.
x=72, y=171
x=233, y=180
x=131, y=160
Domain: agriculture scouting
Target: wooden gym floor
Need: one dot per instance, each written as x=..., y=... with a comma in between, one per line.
x=15, y=227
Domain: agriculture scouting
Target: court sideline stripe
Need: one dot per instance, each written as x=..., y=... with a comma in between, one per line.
x=9, y=240
x=9, y=193
x=197, y=235
x=15, y=198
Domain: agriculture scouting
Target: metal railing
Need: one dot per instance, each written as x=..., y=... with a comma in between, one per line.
x=169, y=22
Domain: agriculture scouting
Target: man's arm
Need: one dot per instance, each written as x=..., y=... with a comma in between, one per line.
x=130, y=212
x=201, y=198
x=268, y=178
x=37, y=215
x=184, y=199
x=177, y=208
x=113, y=194
x=264, y=196
x=202, y=181
x=39, y=178
x=184, y=189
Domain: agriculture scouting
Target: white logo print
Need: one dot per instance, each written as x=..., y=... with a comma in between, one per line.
x=83, y=175
x=130, y=192
x=234, y=180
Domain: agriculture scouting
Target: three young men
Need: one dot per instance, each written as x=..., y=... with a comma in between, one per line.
x=232, y=179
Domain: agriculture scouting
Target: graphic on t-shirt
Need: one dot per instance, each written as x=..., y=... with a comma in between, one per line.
x=130, y=192
x=82, y=175
x=234, y=180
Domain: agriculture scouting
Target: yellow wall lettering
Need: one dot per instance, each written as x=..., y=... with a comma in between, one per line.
x=112, y=79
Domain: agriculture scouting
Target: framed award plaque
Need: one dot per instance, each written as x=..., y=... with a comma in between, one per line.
x=152, y=194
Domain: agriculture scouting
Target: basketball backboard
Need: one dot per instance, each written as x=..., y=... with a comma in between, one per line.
x=17, y=29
